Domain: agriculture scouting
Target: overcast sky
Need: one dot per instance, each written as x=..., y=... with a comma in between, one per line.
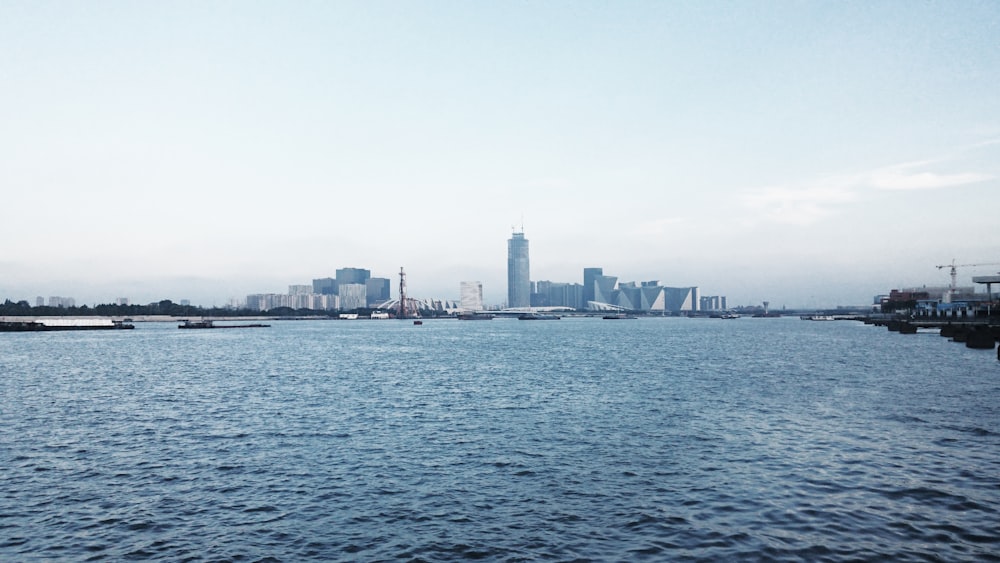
x=805, y=153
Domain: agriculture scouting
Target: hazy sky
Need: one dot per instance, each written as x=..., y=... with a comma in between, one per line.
x=807, y=153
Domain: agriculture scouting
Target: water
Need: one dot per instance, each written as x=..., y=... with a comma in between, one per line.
x=579, y=439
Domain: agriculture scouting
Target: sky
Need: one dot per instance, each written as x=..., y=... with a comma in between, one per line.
x=811, y=154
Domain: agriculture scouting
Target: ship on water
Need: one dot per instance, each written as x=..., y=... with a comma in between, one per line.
x=474, y=317
x=206, y=323
x=52, y=325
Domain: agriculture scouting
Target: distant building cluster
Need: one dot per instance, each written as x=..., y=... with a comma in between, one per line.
x=925, y=300
x=598, y=292
x=352, y=288
x=713, y=303
x=56, y=301
x=355, y=288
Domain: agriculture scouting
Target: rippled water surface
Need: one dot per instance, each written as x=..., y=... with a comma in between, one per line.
x=578, y=439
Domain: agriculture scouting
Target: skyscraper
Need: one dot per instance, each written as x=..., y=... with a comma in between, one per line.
x=377, y=291
x=518, y=278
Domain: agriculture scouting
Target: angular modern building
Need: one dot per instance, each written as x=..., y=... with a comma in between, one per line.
x=590, y=275
x=518, y=276
x=602, y=292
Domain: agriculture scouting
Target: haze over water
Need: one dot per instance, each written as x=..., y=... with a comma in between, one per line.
x=577, y=439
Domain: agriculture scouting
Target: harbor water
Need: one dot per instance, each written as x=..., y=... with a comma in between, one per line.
x=571, y=440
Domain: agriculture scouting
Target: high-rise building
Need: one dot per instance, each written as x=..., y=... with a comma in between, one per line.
x=352, y=296
x=518, y=276
x=557, y=294
x=377, y=291
x=353, y=275
x=471, y=295
x=325, y=286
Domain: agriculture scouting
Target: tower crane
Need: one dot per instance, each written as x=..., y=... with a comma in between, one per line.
x=954, y=274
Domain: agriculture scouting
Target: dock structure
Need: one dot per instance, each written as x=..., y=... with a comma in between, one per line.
x=982, y=332
x=989, y=281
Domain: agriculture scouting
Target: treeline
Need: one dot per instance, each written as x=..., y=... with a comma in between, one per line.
x=165, y=307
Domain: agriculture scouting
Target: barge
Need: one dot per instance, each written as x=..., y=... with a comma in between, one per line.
x=210, y=324
x=52, y=325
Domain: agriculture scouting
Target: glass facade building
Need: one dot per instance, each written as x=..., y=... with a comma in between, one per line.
x=518, y=276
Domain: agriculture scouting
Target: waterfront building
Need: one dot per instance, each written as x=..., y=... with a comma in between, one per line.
x=352, y=295
x=325, y=286
x=557, y=294
x=680, y=299
x=603, y=289
x=377, y=290
x=266, y=301
x=518, y=276
x=300, y=289
x=121, y=301
x=314, y=301
x=471, y=295
x=712, y=303
x=39, y=301
x=645, y=296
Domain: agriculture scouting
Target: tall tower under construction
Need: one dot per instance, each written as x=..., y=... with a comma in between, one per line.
x=518, y=278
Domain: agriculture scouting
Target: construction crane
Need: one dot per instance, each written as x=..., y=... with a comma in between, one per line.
x=954, y=274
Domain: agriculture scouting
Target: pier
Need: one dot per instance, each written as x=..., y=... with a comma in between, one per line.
x=981, y=332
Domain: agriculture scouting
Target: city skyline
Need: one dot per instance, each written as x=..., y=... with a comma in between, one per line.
x=806, y=154
x=363, y=290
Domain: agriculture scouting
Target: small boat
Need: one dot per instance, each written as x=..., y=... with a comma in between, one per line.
x=618, y=316
x=537, y=317
x=418, y=323
x=209, y=324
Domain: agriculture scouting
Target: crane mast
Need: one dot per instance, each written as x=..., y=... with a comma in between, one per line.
x=402, y=294
x=954, y=275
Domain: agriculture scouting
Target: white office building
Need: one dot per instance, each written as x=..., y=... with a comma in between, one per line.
x=471, y=295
